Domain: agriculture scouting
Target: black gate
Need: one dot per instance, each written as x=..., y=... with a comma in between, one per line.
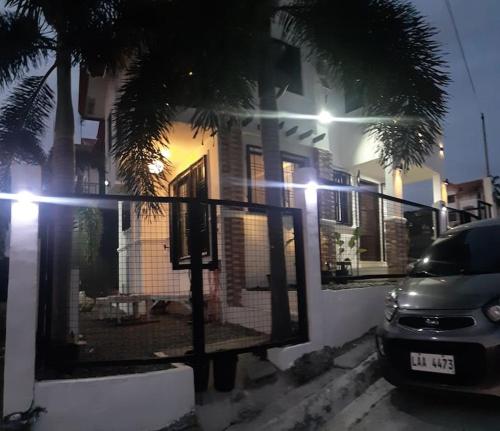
x=156, y=280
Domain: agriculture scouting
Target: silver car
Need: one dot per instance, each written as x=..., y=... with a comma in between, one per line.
x=442, y=323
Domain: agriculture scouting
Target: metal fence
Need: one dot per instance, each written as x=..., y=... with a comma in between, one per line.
x=365, y=234
x=167, y=279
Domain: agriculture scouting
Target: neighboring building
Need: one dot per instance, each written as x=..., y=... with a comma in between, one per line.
x=230, y=166
x=474, y=197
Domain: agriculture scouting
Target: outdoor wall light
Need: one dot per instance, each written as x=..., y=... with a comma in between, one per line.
x=165, y=152
x=311, y=190
x=24, y=207
x=106, y=183
x=324, y=117
x=156, y=167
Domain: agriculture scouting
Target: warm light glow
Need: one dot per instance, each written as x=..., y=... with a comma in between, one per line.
x=444, y=191
x=156, y=167
x=324, y=117
x=165, y=152
x=398, y=183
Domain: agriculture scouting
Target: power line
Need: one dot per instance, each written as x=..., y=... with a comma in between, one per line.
x=462, y=51
x=469, y=74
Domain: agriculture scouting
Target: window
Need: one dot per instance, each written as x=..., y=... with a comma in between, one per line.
x=290, y=164
x=343, y=200
x=255, y=162
x=255, y=166
x=451, y=199
x=125, y=215
x=287, y=66
x=192, y=183
x=353, y=94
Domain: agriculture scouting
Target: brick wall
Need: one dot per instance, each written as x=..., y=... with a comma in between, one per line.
x=323, y=162
x=397, y=245
x=232, y=187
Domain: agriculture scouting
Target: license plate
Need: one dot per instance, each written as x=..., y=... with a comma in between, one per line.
x=430, y=363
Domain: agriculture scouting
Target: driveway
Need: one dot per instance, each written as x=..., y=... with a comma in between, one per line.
x=405, y=410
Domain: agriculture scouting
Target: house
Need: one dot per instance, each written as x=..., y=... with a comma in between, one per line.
x=475, y=197
x=230, y=166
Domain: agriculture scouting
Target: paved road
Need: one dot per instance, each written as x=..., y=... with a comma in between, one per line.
x=431, y=411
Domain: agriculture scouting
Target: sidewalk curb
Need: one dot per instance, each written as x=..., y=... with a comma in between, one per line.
x=360, y=407
x=314, y=408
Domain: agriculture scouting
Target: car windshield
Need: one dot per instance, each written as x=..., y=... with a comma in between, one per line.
x=472, y=251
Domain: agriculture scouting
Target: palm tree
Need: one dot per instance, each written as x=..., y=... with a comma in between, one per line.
x=215, y=65
x=60, y=33
x=213, y=56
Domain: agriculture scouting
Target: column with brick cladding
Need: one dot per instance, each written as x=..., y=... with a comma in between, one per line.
x=232, y=187
x=323, y=163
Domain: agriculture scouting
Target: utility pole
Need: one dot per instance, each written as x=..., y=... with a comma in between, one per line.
x=485, y=141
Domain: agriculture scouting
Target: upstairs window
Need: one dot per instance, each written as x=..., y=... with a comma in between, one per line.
x=287, y=66
x=353, y=94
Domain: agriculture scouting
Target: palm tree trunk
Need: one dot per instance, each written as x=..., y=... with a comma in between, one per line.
x=62, y=182
x=281, y=322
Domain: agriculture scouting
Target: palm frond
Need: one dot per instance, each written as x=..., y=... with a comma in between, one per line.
x=194, y=73
x=386, y=49
x=23, y=120
x=143, y=117
x=23, y=46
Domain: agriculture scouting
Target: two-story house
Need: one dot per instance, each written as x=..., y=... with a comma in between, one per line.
x=230, y=166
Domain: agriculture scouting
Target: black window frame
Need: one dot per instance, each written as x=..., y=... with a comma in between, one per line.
x=343, y=199
x=353, y=97
x=179, y=214
x=283, y=75
x=303, y=161
x=126, y=216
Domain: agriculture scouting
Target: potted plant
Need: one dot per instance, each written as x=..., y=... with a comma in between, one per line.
x=225, y=371
x=343, y=265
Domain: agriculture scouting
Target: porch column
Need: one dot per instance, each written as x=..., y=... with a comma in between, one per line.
x=307, y=201
x=439, y=190
x=22, y=299
x=397, y=242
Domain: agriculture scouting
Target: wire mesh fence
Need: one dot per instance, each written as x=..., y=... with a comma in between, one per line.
x=189, y=278
x=368, y=234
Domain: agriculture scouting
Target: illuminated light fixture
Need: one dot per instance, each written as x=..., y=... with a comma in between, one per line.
x=106, y=183
x=25, y=207
x=165, y=153
x=156, y=167
x=312, y=186
x=324, y=117
x=25, y=197
x=190, y=73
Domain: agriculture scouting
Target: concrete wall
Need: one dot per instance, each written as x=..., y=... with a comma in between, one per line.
x=133, y=402
x=348, y=314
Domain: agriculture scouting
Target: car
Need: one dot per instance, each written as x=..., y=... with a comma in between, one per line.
x=442, y=322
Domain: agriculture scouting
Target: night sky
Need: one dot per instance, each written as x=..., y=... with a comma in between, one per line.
x=479, y=26
x=478, y=22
